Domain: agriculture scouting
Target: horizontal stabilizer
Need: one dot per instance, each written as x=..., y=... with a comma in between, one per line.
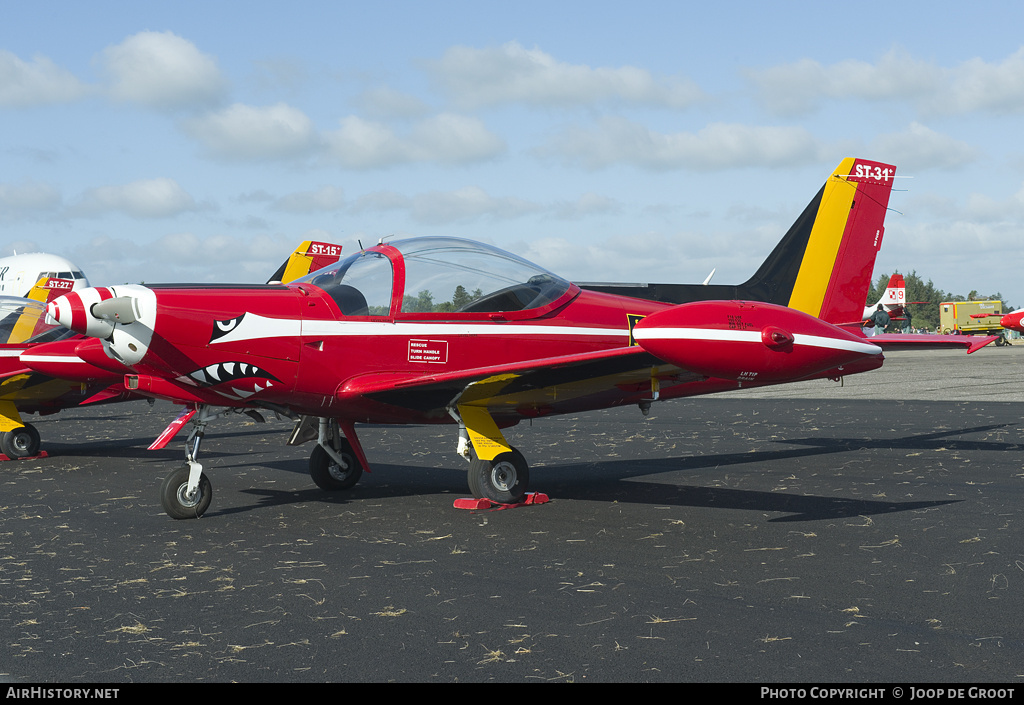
x=913, y=341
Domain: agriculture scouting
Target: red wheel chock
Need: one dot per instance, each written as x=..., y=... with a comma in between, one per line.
x=42, y=454
x=528, y=498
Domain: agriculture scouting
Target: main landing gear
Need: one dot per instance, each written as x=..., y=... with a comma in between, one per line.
x=337, y=462
x=334, y=463
x=22, y=442
x=503, y=480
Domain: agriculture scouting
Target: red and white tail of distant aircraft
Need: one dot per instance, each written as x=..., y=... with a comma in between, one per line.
x=449, y=331
x=893, y=301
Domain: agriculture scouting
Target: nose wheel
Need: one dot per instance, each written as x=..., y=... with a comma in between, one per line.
x=186, y=493
x=176, y=499
x=503, y=480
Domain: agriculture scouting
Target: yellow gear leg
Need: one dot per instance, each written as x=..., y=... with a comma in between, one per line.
x=10, y=419
x=484, y=434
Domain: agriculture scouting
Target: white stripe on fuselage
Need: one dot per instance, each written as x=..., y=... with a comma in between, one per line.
x=53, y=358
x=753, y=336
x=254, y=327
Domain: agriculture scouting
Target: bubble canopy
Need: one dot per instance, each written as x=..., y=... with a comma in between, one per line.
x=437, y=276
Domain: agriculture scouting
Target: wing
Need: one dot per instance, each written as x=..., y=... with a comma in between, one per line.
x=554, y=385
x=678, y=348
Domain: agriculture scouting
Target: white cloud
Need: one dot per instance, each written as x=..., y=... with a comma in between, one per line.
x=26, y=199
x=184, y=257
x=386, y=102
x=162, y=70
x=328, y=198
x=444, y=139
x=381, y=201
x=467, y=204
x=446, y=207
x=977, y=208
x=244, y=132
x=717, y=146
x=919, y=148
x=971, y=86
x=513, y=74
x=976, y=85
x=472, y=202
x=953, y=244
x=147, y=198
x=643, y=257
x=219, y=258
x=797, y=88
x=586, y=205
x=39, y=82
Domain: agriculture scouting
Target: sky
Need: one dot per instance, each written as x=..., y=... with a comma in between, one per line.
x=606, y=141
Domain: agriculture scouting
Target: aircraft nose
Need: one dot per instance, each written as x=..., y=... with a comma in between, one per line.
x=60, y=310
x=73, y=311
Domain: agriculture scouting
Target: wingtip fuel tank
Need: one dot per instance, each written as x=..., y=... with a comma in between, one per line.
x=756, y=343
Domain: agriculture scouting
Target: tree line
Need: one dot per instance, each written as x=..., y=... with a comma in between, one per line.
x=926, y=315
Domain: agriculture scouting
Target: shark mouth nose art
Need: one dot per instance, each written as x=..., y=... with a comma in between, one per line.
x=241, y=380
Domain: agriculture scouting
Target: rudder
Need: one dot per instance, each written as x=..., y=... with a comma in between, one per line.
x=835, y=271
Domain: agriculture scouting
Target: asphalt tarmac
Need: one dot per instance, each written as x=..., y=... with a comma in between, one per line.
x=868, y=533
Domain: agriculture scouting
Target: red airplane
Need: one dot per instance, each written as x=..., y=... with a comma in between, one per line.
x=1012, y=321
x=440, y=330
x=24, y=330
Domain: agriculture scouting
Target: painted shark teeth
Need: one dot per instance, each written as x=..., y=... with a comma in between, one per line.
x=221, y=372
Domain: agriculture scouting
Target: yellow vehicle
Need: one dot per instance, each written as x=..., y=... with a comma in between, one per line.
x=972, y=318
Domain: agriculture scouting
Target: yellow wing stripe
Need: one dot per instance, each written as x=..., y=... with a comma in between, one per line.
x=823, y=246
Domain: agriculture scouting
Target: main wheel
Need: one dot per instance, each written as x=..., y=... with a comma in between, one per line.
x=177, y=503
x=22, y=442
x=328, y=475
x=503, y=480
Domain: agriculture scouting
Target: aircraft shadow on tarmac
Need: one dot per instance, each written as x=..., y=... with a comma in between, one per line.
x=618, y=480
x=608, y=481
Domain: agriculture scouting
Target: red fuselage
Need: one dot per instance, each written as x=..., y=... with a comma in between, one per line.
x=370, y=341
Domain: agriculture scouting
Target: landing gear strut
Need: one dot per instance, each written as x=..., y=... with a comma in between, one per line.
x=334, y=464
x=186, y=493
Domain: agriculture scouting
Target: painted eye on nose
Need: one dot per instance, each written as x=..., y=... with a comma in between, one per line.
x=222, y=328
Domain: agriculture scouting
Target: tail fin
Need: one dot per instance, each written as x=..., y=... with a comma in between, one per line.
x=822, y=266
x=893, y=300
x=833, y=245
x=48, y=288
x=30, y=323
x=307, y=257
x=896, y=293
